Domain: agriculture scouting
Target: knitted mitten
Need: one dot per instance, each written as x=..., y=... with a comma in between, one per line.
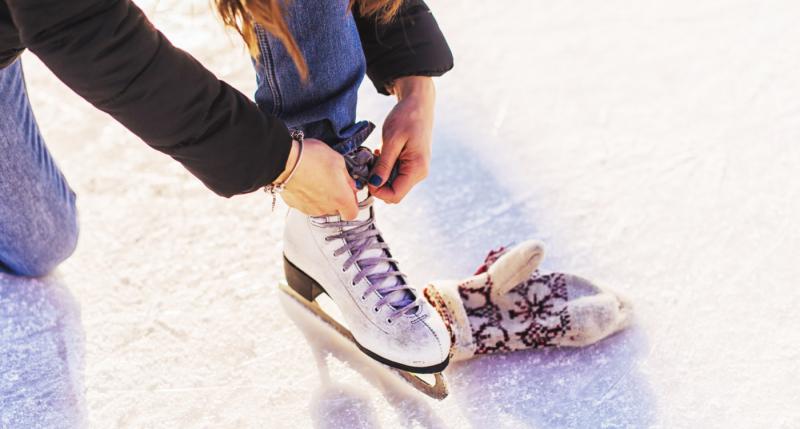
x=509, y=305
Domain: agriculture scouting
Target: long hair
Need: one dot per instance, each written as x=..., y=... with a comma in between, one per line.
x=244, y=15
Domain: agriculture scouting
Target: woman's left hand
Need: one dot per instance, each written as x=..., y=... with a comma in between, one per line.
x=407, y=135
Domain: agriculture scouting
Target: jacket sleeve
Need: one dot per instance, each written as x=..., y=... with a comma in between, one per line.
x=410, y=45
x=111, y=55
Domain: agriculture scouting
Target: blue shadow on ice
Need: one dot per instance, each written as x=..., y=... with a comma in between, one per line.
x=459, y=211
x=337, y=405
x=41, y=355
x=596, y=386
x=469, y=211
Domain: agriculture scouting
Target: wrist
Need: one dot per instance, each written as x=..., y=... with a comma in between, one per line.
x=291, y=161
x=413, y=86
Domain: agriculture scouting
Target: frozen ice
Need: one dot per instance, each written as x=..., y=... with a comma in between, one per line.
x=41, y=355
x=651, y=145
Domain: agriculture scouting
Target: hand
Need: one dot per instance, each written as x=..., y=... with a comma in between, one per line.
x=406, y=140
x=321, y=185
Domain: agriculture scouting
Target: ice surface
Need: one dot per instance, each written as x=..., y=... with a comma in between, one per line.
x=651, y=145
x=41, y=355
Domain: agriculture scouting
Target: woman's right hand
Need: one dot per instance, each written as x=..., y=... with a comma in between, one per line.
x=321, y=185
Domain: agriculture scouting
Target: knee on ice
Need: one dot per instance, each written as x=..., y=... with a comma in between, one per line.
x=41, y=252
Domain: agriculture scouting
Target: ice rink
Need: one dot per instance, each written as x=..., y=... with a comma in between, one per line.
x=653, y=146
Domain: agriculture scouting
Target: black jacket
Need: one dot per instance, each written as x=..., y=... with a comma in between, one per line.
x=109, y=53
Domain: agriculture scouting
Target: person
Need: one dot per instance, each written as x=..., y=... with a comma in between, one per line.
x=300, y=137
x=309, y=68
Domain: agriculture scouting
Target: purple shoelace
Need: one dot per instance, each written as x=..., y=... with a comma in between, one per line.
x=360, y=236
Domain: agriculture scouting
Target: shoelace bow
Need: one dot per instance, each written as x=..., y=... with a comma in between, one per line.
x=360, y=236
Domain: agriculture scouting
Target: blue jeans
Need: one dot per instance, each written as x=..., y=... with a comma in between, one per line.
x=38, y=220
x=324, y=106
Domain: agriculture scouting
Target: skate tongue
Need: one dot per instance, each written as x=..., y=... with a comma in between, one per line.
x=404, y=297
x=363, y=212
x=401, y=298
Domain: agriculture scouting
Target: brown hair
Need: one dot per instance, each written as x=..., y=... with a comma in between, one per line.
x=244, y=15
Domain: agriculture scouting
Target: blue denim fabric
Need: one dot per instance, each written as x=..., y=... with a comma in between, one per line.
x=324, y=106
x=38, y=220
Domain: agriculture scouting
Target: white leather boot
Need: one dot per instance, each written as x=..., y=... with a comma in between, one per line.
x=350, y=262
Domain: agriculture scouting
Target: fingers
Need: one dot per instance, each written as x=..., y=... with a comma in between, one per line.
x=410, y=172
x=343, y=193
x=346, y=202
x=395, y=192
x=345, y=205
x=389, y=153
x=324, y=187
x=348, y=211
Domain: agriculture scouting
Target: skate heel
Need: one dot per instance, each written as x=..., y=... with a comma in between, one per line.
x=300, y=282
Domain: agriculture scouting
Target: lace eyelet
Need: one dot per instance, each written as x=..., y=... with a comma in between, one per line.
x=389, y=321
x=363, y=298
x=344, y=270
x=353, y=283
x=375, y=309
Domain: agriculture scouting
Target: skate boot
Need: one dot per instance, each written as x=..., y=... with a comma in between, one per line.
x=351, y=263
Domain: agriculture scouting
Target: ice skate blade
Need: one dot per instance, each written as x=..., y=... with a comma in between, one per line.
x=433, y=384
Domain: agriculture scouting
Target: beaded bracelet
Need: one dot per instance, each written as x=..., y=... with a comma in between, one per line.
x=276, y=188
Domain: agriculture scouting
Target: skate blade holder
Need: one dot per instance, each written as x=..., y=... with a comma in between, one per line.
x=433, y=385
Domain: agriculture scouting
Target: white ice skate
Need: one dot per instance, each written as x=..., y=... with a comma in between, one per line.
x=384, y=316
